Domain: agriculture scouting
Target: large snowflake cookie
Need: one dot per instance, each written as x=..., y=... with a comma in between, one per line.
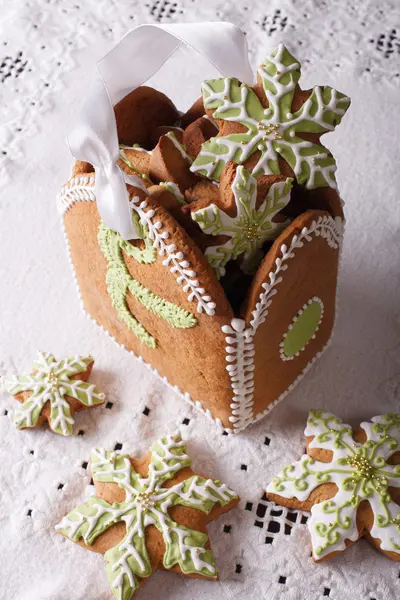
x=349, y=480
x=149, y=513
x=272, y=124
x=54, y=391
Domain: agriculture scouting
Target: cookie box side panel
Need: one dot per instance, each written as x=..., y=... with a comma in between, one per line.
x=193, y=357
x=292, y=307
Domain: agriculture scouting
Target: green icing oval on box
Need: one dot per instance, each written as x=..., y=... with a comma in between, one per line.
x=302, y=329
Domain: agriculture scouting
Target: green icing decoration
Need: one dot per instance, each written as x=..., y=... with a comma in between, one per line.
x=302, y=329
x=119, y=282
x=147, y=503
x=360, y=472
x=51, y=382
x=249, y=228
x=274, y=131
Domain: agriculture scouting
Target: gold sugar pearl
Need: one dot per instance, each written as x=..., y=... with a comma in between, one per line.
x=52, y=378
x=251, y=232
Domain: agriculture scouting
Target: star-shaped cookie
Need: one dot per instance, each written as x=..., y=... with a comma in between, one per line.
x=53, y=392
x=349, y=480
x=149, y=514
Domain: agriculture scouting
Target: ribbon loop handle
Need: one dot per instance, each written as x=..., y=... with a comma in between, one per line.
x=94, y=138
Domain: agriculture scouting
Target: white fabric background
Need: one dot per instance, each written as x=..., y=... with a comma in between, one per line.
x=47, y=52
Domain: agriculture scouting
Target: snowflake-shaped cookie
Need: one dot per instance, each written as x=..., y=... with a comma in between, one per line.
x=132, y=556
x=350, y=481
x=53, y=392
x=272, y=128
x=249, y=228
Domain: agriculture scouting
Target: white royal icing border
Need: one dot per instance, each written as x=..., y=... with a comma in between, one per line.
x=242, y=364
x=78, y=189
x=282, y=354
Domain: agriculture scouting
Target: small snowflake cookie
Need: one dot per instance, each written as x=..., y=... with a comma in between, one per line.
x=247, y=221
x=53, y=392
x=350, y=480
x=160, y=491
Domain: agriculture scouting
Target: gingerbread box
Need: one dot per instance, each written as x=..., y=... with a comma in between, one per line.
x=209, y=245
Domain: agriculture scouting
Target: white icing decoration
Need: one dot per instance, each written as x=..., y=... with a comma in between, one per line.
x=240, y=359
x=360, y=472
x=282, y=354
x=326, y=227
x=174, y=259
x=170, y=135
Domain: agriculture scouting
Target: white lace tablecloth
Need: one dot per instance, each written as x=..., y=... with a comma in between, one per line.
x=47, y=51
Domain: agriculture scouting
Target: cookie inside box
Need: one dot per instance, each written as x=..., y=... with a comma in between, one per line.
x=159, y=145
x=232, y=275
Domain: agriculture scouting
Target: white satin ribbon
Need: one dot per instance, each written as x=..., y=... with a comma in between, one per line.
x=128, y=65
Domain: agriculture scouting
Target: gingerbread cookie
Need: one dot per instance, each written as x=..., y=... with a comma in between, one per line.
x=272, y=128
x=142, y=111
x=197, y=133
x=244, y=223
x=135, y=160
x=350, y=480
x=196, y=111
x=204, y=192
x=149, y=514
x=170, y=162
x=54, y=391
